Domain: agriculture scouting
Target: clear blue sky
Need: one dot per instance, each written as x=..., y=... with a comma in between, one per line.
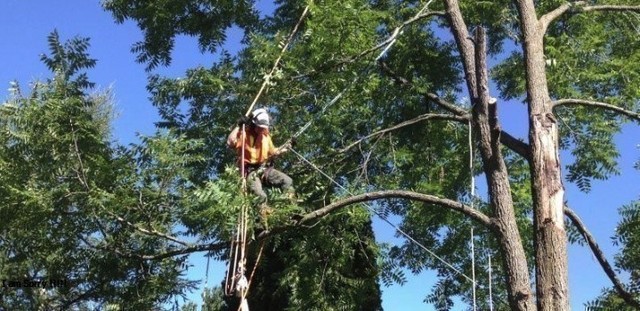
x=26, y=23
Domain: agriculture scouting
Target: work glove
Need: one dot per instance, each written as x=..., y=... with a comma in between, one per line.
x=243, y=120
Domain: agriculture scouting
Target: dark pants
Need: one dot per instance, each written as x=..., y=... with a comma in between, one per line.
x=271, y=178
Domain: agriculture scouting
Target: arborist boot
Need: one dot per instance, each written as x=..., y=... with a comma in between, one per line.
x=292, y=197
x=264, y=211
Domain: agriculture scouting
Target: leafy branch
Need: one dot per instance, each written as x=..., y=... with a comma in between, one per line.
x=591, y=103
x=320, y=213
x=582, y=6
x=620, y=288
x=461, y=115
x=423, y=117
x=389, y=40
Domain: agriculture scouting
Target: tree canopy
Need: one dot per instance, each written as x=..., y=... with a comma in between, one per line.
x=401, y=101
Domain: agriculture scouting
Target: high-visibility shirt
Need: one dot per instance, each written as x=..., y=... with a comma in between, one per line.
x=258, y=147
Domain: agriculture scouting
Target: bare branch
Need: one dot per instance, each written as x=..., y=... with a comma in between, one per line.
x=167, y=254
x=399, y=194
x=187, y=250
x=462, y=115
x=518, y=146
x=108, y=248
x=431, y=96
x=611, y=8
x=394, y=34
x=150, y=231
x=627, y=113
x=426, y=116
x=581, y=6
x=620, y=288
x=546, y=19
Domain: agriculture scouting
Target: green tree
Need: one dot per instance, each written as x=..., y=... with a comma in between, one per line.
x=75, y=207
x=627, y=260
x=399, y=131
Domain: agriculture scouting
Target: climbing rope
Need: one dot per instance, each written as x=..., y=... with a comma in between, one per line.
x=472, y=194
x=267, y=78
x=235, y=281
x=243, y=304
x=490, y=292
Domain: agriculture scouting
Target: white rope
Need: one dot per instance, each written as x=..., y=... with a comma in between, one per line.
x=396, y=32
x=406, y=235
x=268, y=76
x=490, y=292
x=472, y=192
x=324, y=108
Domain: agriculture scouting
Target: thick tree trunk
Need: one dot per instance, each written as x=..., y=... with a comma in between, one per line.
x=548, y=191
x=487, y=129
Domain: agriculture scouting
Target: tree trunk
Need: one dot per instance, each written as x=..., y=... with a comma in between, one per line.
x=547, y=188
x=487, y=129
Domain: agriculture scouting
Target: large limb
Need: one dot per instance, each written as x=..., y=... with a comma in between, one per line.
x=399, y=194
x=318, y=215
x=464, y=43
x=552, y=288
x=620, y=288
x=486, y=127
x=582, y=102
x=582, y=6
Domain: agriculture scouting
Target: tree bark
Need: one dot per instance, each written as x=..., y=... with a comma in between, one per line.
x=548, y=191
x=487, y=130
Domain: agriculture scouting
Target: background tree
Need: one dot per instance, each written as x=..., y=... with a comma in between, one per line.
x=627, y=260
x=66, y=190
x=567, y=59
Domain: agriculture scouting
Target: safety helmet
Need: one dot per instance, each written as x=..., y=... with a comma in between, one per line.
x=260, y=118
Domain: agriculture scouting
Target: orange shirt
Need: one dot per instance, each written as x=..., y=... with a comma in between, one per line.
x=258, y=146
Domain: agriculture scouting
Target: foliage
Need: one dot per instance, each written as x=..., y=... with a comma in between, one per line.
x=627, y=260
x=208, y=20
x=587, y=56
x=66, y=191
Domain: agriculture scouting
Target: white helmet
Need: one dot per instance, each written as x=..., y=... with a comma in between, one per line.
x=260, y=118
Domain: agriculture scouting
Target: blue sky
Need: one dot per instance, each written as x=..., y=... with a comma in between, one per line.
x=26, y=24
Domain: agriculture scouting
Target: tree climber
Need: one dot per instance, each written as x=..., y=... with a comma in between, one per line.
x=258, y=153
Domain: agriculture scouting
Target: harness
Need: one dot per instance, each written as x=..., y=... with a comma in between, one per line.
x=261, y=170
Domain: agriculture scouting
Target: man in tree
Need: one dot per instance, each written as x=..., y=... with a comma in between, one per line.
x=258, y=154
